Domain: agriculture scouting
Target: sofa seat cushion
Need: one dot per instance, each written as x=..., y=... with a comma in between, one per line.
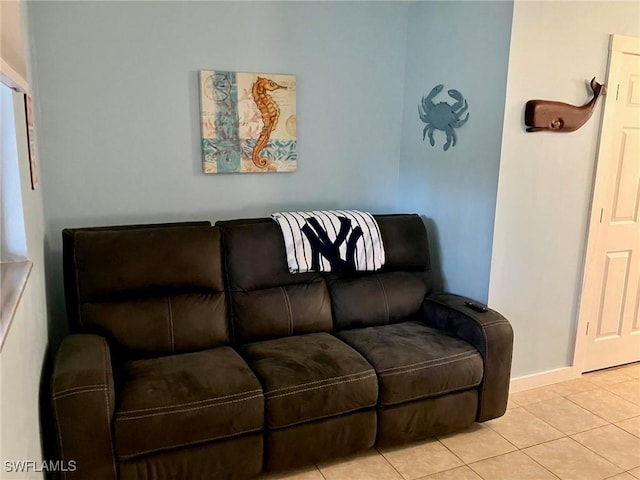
x=414, y=361
x=184, y=400
x=308, y=377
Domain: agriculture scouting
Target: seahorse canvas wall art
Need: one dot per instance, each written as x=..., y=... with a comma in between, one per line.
x=248, y=122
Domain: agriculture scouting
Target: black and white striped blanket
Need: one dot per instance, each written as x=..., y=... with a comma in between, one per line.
x=331, y=240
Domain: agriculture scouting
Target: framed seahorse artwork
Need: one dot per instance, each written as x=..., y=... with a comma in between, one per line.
x=248, y=122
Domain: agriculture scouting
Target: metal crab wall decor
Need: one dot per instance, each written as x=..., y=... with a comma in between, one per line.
x=442, y=116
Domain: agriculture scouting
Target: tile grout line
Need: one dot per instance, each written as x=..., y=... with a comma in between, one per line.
x=579, y=406
x=613, y=383
x=629, y=472
x=599, y=416
x=537, y=418
x=391, y=464
x=320, y=471
x=620, y=396
x=565, y=435
x=576, y=433
x=491, y=456
x=579, y=443
x=426, y=477
x=535, y=461
x=452, y=453
x=517, y=449
x=475, y=471
x=555, y=395
x=594, y=413
x=508, y=453
x=607, y=391
x=601, y=455
x=616, y=424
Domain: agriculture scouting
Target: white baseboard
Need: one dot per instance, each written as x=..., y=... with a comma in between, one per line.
x=542, y=379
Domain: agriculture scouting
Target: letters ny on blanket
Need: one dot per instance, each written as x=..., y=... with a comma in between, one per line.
x=331, y=240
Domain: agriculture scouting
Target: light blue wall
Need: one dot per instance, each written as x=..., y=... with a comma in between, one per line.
x=117, y=88
x=117, y=108
x=465, y=46
x=117, y=92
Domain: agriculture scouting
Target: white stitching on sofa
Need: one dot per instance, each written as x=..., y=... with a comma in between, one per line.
x=319, y=386
x=317, y=381
x=120, y=414
x=105, y=352
x=425, y=362
x=55, y=406
x=88, y=390
x=56, y=367
x=483, y=386
x=497, y=322
x=105, y=371
x=188, y=403
x=430, y=396
x=171, y=334
x=234, y=435
x=323, y=417
x=427, y=366
x=384, y=297
x=58, y=427
x=77, y=283
x=289, y=312
x=61, y=392
x=113, y=457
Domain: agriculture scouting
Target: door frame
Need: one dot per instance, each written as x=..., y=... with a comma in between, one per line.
x=589, y=296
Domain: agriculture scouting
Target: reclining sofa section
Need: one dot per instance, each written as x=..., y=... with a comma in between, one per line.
x=196, y=354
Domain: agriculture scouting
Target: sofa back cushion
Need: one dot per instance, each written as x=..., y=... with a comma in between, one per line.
x=395, y=293
x=151, y=289
x=266, y=301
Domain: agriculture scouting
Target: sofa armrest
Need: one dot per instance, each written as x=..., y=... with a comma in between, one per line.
x=83, y=406
x=490, y=333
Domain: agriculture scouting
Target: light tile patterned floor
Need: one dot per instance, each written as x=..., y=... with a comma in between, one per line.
x=583, y=429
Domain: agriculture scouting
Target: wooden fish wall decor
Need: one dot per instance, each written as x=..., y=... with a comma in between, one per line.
x=550, y=116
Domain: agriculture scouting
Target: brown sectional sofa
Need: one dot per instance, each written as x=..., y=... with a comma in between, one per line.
x=197, y=355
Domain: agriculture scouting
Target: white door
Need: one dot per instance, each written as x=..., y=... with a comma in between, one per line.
x=609, y=311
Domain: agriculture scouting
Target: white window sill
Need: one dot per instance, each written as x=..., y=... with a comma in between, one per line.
x=13, y=279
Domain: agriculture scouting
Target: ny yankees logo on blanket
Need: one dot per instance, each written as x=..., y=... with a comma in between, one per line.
x=331, y=240
x=321, y=245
